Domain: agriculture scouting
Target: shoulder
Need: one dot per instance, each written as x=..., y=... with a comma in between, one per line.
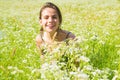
x=69, y=34
x=38, y=40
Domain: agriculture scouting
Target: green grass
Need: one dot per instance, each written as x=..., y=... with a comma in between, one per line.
x=95, y=55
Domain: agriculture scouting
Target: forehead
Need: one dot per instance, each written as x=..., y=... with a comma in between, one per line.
x=49, y=11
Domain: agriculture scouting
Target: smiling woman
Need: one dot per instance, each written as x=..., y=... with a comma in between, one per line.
x=50, y=19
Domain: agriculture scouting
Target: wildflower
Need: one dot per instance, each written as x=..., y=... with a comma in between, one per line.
x=118, y=52
x=73, y=73
x=101, y=42
x=43, y=76
x=54, y=66
x=117, y=46
x=56, y=50
x=14, y=72
x=82, y=76
x=105, y=77
x=112, y=13
x=76, y=49
x=10, y=67
x=24, y=61
x=45, y=66
x=15, y=68
x=107, y=33
x=88, y=67
x=93, y=73
x=71, y=50
x=30, y=68
x=86, y=47
x=35, y=70
x=80, y=39
x=83, y=58
x=95, y=37
x=98, y=71
x=29, y=55
x=115, y=77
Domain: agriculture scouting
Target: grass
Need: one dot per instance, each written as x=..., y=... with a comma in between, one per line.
x=95, y=55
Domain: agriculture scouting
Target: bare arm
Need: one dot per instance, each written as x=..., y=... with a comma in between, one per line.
x=38, y=41
x=39, y=44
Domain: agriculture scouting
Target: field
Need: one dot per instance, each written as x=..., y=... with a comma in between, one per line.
x=95, y=55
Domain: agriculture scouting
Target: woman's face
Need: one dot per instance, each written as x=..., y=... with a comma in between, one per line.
x=49, y=20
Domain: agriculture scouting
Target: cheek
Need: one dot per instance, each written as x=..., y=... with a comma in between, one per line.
x=57, y=21
x=42, y=22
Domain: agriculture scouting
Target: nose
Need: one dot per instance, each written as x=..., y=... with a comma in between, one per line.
x=50, y=19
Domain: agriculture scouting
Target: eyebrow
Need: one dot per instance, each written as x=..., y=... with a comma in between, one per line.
x=52, y=15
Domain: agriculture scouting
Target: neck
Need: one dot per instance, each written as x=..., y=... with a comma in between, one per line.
x=49, y=37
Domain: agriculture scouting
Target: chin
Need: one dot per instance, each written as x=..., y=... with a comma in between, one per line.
x=51, y=30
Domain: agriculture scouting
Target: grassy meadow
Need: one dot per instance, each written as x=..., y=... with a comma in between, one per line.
x=95, y=55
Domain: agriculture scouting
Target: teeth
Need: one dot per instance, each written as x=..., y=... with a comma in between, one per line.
x=50, y=26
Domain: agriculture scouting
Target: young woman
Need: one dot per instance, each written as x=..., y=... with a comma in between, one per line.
x=50, y=19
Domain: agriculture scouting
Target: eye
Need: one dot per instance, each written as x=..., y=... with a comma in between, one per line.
x=46, y=17
x=54, y=17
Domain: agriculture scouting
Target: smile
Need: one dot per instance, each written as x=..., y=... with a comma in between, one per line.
x=50, y=26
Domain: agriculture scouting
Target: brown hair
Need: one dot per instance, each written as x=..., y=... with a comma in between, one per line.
x=53, y=6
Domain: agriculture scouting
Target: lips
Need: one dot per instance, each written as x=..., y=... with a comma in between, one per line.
x=50, y=26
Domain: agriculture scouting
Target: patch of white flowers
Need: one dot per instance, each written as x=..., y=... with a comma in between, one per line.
x=15, y=70
x=79, y=75
x=84, y=58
